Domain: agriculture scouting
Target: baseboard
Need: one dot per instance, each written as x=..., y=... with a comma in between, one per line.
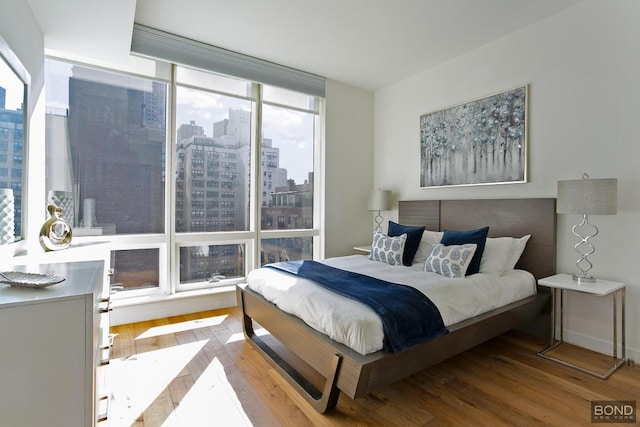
x=135, y=310
x=599, y=345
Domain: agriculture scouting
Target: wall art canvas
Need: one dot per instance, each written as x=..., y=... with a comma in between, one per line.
x=480, y=142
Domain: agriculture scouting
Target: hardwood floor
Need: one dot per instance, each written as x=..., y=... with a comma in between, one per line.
x=196, y=370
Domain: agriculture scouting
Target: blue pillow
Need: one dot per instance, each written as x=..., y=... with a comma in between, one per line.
x=414, y=234
x=479, y=237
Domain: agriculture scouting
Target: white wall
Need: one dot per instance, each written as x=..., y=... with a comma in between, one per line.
x=20, y=30
x=348, y=168
x=582, y=67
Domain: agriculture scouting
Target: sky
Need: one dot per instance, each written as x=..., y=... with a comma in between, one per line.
x=13, y=85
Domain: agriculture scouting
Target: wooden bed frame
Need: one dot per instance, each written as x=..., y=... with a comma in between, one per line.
x=356, y=375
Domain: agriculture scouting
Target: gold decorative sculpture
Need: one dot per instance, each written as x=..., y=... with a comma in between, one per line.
x=55, y=233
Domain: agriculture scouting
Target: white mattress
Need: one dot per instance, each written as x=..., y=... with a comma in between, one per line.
x=359, y=327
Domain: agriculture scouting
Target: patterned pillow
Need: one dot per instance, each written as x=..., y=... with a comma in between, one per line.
x=450, y=261
x=387, y=249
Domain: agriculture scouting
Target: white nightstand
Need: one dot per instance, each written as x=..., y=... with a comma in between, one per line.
x=564, y=282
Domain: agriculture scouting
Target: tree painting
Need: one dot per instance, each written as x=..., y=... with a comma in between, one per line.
x=480, y=142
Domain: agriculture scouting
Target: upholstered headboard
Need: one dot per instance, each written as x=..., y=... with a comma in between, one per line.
x=505, y=217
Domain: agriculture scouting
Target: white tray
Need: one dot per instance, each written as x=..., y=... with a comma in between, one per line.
x=29, y=280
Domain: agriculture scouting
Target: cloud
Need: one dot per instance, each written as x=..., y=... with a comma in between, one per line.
x=198, y=100
x=295, y=141
x=205, y=108
x=285, y=119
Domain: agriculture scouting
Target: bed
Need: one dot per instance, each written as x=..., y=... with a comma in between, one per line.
x=356, y=374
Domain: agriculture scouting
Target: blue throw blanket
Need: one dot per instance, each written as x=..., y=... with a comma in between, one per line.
x=408, y=316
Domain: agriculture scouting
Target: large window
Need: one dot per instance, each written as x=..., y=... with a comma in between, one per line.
x=106, y=138
x=106, y=143
x=213, y=152
x=286, y=193
x=231, y=204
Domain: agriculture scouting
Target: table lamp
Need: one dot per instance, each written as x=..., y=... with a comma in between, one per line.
x=379, y=200
x=587, y=197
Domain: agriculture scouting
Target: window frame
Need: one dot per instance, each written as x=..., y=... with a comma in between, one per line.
x=170, y=242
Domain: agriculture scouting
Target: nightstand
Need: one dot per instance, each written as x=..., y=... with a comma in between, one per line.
x=602, y=288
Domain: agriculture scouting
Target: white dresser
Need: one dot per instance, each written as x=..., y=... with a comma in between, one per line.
x=54, y=346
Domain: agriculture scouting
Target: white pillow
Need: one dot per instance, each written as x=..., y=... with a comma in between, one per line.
x=518, y=249
x=388, y=249
x=429, y=238
x=496, y=255
x=501, y=254
x=450, y=261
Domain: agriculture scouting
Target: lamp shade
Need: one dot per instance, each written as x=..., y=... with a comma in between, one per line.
x=588, y=196
x=379, y=200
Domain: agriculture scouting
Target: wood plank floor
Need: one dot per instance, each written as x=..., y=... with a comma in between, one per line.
x=197, y=370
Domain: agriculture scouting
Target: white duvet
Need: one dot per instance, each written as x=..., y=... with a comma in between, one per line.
x=359, y=327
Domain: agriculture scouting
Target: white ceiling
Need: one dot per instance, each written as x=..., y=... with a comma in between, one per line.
x=365, y=43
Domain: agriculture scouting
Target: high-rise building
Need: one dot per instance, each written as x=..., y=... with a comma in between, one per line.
x=239, y=126
x=290, y=207
x=117, y=137
x=187, y=131
x=212, y=194
x=210, y=181
x=11, y=155
x=273, y=176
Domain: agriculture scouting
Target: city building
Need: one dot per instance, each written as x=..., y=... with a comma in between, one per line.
x=11, y=155
x=212, y=195
x=117, y=137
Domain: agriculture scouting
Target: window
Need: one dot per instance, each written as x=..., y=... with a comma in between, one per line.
x=106, y=141
x=274, y=250
x=290, y=128
x=211, y=263
x=136, y=269
x=12, y=122
x=213, y=120
x=113, y=150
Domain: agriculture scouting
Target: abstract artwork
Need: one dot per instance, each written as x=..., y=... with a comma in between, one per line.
x=480, y=142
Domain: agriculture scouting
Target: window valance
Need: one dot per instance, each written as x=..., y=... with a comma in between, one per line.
x=158, y=44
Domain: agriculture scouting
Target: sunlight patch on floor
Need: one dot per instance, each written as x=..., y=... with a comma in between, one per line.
x=189, y=325
x=210, y=401
x=137, y=380
x=240, y=335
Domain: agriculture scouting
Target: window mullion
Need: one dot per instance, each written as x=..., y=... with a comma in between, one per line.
x=318, y=191
x=257, y=174
x=173, y=252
